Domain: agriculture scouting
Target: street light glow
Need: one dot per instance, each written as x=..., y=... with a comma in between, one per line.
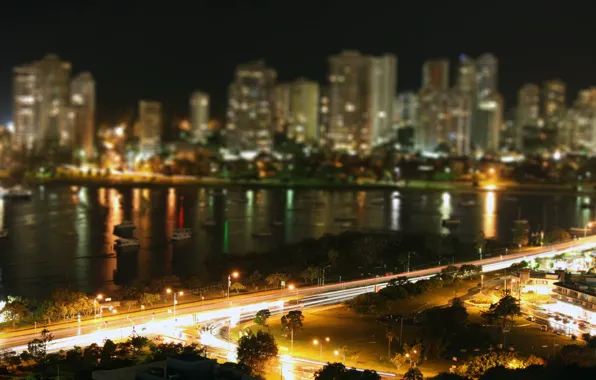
x=235, y=274
x=315, y=341
x=99, y=296
x=168, y=290
x=291, y=286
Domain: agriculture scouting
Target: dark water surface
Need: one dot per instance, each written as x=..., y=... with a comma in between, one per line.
x=63, y=236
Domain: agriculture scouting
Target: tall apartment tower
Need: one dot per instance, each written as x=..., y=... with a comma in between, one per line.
x=82, y=99
x=553, y=93
x=324, y=119
x=435, y=75
x=251, y=107
x=528, y=112
x=362, y=91
x=150, y=127
x=41, y=103
x=199, y=116
x=488, y=117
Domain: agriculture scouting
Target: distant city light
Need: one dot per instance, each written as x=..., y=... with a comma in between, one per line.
x=10, y=126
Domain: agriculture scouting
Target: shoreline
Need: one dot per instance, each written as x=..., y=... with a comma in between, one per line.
x=411, y=186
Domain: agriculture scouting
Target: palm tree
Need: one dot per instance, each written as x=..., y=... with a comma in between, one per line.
x=389, y=335
x=413, y=374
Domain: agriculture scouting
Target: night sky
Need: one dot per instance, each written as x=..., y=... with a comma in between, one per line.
x=159, y=51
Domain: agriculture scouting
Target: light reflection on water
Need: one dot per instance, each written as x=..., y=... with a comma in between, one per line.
x=62, y=237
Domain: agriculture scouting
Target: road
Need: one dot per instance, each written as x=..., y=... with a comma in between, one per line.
x=121, y=325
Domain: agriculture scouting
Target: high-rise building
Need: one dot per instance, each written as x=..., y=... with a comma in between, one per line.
x=250, y=116
x=282, y=113
x=435, y=75
x=528, y=112
x=199, y=116
x=324, y=119
x=25, y=106
x=41, y=103
x=553, y=94
x=304, y=120
x=406, y=110
x=82, y=99
x=150, y=127
x=488, y=116
x=466, y=75
x=486, y=80
x=362, y=91
x=444, y=122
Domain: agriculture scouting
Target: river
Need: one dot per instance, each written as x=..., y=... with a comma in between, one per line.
x=63, y=235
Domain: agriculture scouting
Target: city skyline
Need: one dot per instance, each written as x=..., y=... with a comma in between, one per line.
x=127, y=69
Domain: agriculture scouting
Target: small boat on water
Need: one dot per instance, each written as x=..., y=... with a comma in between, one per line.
x=16, y=192
x=468, y=203
x=345, y=218
x=262, y=234
x=124, y=229
x=450, y=223
x=181, y=234
x=4, y=233
x=124, y=244
x=209, y=223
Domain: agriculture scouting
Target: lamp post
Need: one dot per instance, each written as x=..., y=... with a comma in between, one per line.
x=234, y=275
x=95, y=304
x=323, y=279
x=589, y=225
x=169, y=291
x=316, y=342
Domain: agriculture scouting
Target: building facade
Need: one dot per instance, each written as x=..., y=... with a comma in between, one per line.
x=82, y=98
x=435, y=75
x=362, y=90
x=577, y=299
x=150, y=127
x=41, y=103
x=553, y=102
x=251, y=100
x=199, y=116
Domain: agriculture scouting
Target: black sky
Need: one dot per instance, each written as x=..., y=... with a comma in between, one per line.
x=164, y=50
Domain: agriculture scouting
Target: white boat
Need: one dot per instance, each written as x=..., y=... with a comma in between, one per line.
x=451, y=222
x=262, y=234
x=469, y=203
x=209, y=223
x=124, y=229
x=124, y=244
x=181, y=234
x=4, y=233
x=16, y=192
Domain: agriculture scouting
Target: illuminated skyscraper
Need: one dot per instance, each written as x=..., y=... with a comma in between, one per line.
x=553, y=94
x=324, y=119
x=528, y=112
x=362, y=91
x=466, y=75
x=199, y=116
x=41, y=103
x=150, y=127
x=488, y=116
x=251, y=100
x=435, y=75
x=82, y=97
x=406, y=110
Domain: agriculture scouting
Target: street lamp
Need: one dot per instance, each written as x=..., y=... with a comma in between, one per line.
x=95, y=303
x=589, y=225
x=291, y=287
x=316, y=342
x=181, y=293
x=323, y=280
x=234, y=275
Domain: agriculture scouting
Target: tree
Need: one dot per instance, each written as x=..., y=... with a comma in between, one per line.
x=476, y=366
x=292, y=321
x=14, y=312
x=413, y=374
x=262, y=316
x=506, y=307
x=556, y=235
x=520, y=233
x=254, y=278
x=255, y=351
x=37, y=348
x=150, y=298
x=448, y=376
x=238, y=286
x=337, y=371
x=399, y=360
x=129, y=304
x=276, y=279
